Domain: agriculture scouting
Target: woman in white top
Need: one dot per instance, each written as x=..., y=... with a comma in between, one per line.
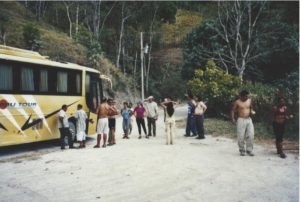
x=199, y=117
x=169, y=106
x=81, y=118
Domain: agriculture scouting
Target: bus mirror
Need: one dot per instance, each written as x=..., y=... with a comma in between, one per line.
x=106, y=78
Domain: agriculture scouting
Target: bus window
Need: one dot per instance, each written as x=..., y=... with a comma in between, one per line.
x=62, y=82
x=27, y=80
x=78, y=83
x=6, y=82
x=87, y=83
x=98, y=91
x=43, y=86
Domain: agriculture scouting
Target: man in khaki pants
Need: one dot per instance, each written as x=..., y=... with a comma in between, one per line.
x=245, y=128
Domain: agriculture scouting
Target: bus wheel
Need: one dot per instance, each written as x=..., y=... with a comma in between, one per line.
x=72, y=129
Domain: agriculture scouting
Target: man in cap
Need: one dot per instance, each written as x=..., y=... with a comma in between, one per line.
x=152, y=115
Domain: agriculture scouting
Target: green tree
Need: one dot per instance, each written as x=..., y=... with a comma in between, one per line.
x=31, y=35
x=242, y=41
x=94, y=54
x=215, y=86
x=4, y=23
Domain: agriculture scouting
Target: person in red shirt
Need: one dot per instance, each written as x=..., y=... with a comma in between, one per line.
x=139, y=113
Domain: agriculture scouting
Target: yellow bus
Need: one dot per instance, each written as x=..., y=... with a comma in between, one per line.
x=32, y=91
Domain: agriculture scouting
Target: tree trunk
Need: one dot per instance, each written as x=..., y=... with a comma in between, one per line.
x=149, y=51
x=121, y=36
x=123, y=60
x=134, y=75
x=56, y=15
x=4, y=38
x=77, y=16
x=96, y=18
x=69, y=18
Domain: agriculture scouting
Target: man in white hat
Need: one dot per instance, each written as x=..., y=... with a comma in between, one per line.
x=152, y=115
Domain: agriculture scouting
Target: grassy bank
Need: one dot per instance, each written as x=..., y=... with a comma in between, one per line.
x=219, y=127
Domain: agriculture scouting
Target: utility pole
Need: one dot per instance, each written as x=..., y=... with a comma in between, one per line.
x=142, y=66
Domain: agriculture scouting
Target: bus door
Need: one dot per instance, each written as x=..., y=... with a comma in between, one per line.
x=93, y=99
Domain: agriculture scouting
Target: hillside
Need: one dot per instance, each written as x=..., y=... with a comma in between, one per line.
x=54, y=43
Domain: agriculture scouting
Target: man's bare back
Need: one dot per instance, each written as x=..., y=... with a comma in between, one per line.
x=103, y=110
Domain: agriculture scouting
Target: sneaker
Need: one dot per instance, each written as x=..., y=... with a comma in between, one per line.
x=187, y=135
x=193, y=135
x=140, y=137
x=242, y=154
x=250, y=153
x=200, y=137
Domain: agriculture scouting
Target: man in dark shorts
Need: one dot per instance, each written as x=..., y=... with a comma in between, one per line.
x=112, y=122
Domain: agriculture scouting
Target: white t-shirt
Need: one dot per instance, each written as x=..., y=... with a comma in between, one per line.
x=200, y=108
x=62, y=114
x=81, y=118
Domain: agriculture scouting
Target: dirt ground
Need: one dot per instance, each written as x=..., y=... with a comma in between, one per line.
x=148, y=170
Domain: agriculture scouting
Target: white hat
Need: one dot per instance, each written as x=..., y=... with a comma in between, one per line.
x=150, y=97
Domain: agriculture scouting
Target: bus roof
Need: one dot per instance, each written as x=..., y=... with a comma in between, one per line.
x=26, y=56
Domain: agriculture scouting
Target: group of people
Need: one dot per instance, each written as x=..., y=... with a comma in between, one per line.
x=106, y=126
x=245, y=129
x=63, y=126
x=242, y=107
x=107, y=113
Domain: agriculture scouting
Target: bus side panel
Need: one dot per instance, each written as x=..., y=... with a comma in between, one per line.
x=29, y=118
x=92, y=125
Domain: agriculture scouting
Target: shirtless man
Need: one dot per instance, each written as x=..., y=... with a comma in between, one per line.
x=245, y=128
x=112, y=122
x=103, y=112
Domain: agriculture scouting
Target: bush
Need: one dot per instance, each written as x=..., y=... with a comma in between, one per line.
x=263, y=96
x=31, y=35
x=220, y=90
x=216, y=87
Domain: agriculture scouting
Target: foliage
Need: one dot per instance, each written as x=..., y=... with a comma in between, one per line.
x=31, y=35
x=171, y=84
x=94, y=54
x=263, y=96
x=176, y=32
x=83, y=36
x=59, y=47
x=4, y=23
x=274, y=45
x=216, y=86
